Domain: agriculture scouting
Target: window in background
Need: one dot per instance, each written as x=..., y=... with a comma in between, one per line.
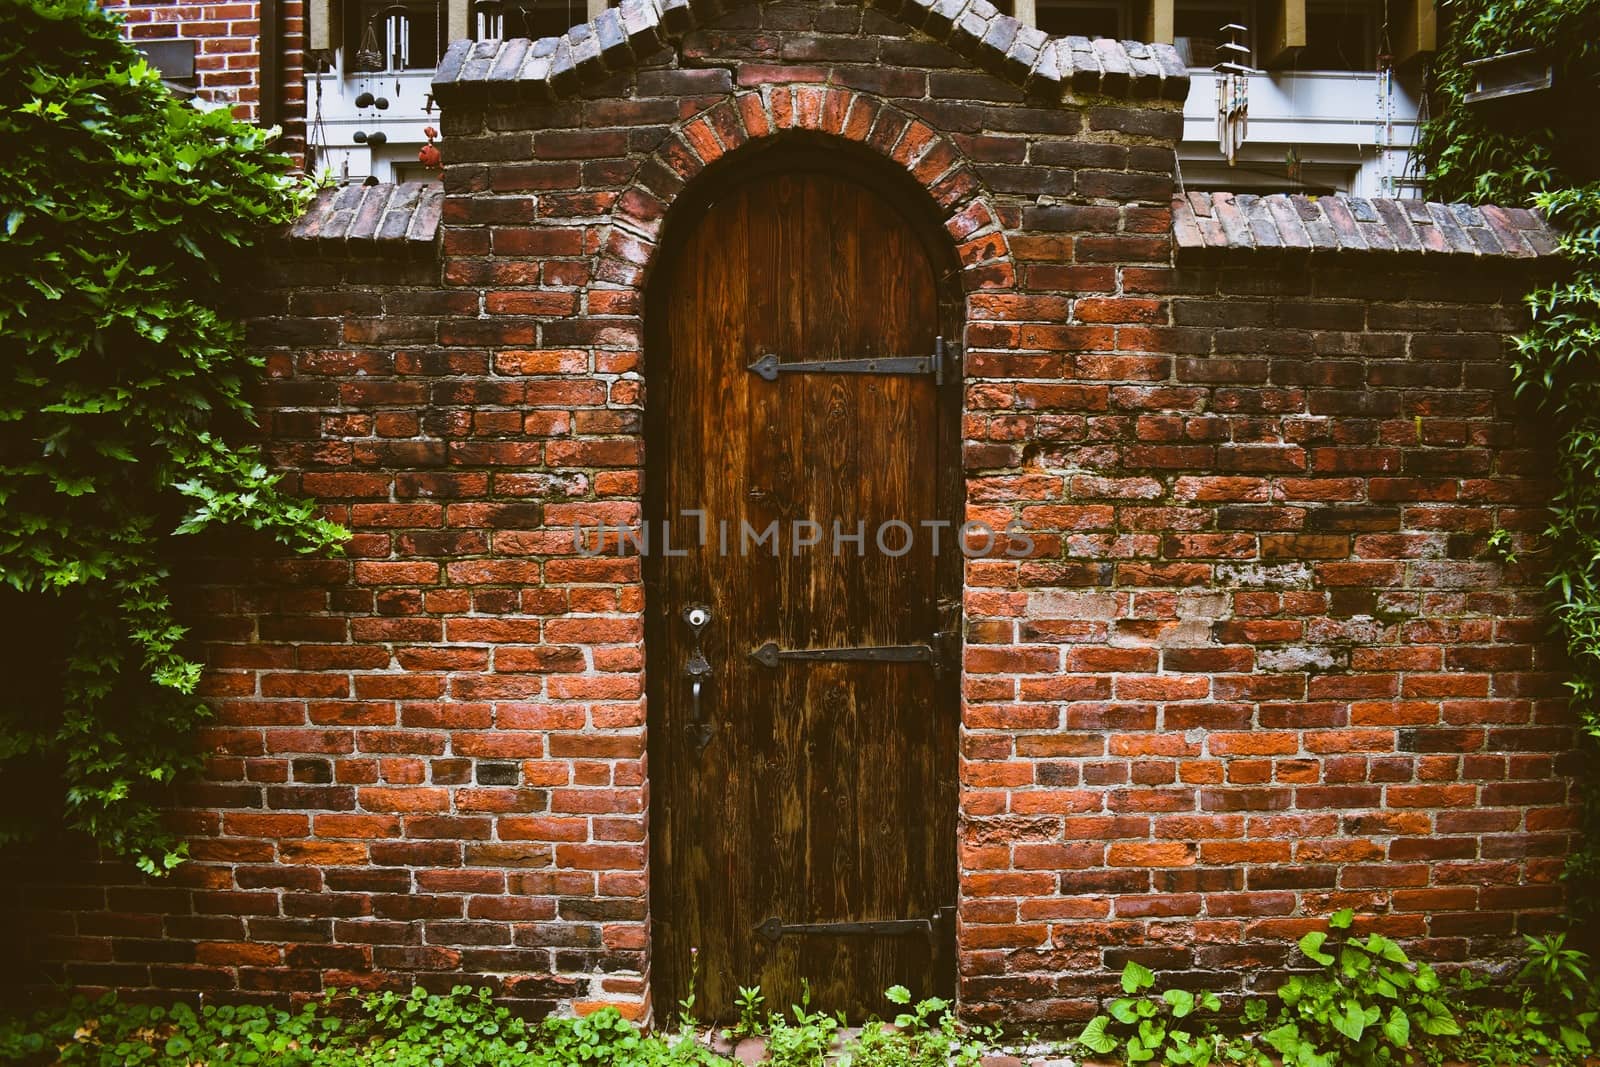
x=1196, y=29
x=1083, y=18
x=1340, y=36
x=506, y=19
x=408, y=36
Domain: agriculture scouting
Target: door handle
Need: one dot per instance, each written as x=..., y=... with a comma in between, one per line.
x=698, y=670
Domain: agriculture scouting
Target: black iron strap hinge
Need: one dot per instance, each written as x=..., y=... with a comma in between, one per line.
x=936, y=653
x=944, y=363
x=770, y=655
x=938, y=928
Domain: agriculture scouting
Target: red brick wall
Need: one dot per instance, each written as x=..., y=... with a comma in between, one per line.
x=1260, y=667
x=1267, y=669
x=228, y=51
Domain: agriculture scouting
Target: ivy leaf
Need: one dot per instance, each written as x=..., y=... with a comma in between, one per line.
x=1180, y=1000
x=1398, y=1028
x=1311, y=944
x=1136, y=976
x=1352, y=1021
x=1438, y=1022
x=1382, y=946
x=1094, y=1036
x=1284, y=1039
x=1341, y=919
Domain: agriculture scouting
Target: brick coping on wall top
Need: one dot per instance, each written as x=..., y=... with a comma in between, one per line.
x=404, y=219
x=377, y=219
x=619, y=38
x=1279, y=222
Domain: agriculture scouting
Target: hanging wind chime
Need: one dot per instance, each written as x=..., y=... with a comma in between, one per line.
x=1384, y=128
x=1233, y=72
x=371, y=58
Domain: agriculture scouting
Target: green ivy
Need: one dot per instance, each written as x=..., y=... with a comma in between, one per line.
x=1369, y=1004
x=1537, y=159
x=1549, y=1013
x=1365, y=1004
x=122, y=210
x=462, y=1028
x=1477, y=156
x=1362, y=1004
x=1176, y=1027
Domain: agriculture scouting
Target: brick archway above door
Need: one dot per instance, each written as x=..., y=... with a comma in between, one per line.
x=932, y=159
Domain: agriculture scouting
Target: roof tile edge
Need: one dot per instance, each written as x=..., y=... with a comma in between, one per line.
x=1242, y=222
x=478, y=72
x=363, y=219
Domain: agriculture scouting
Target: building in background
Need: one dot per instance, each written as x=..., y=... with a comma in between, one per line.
x=1334, y=109
x=217, y=52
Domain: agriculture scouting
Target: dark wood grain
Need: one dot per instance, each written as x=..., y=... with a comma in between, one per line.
x=828, y=790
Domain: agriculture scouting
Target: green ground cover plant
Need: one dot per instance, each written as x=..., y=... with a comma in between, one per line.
x=122, y=211
x=1358, y=1002
x=1364, y=1003
x=463, y=1028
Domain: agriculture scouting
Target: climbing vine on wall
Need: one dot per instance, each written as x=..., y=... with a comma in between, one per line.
x=1544, y=157
x=121, y=209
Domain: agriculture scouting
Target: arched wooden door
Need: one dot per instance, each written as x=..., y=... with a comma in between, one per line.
x=804, y=804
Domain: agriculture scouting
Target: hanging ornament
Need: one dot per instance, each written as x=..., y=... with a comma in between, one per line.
x=1233, y=72
x=1383, y=131
x=369, y=57
x=397, y=36
x=317, y=135
x=397, y=30
x=428, y=155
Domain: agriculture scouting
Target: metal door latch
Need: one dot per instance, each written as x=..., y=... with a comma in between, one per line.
x=698, y=670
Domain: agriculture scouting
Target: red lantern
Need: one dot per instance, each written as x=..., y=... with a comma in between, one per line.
x=429, y=155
